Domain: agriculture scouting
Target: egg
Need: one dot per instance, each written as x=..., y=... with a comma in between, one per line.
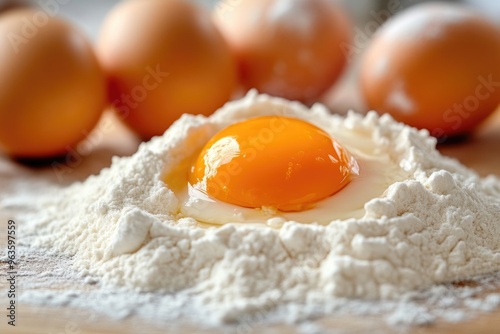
x=52, y=89
x=272, y=168
x=287, y=48
x=164, y=59
x=434, y=67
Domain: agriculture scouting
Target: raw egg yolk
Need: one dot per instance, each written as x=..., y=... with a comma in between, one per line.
x=274, y=162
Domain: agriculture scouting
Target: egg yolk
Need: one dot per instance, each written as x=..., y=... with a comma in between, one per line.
x=276, y=162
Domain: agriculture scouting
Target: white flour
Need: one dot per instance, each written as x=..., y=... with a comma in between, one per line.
x=439, y=226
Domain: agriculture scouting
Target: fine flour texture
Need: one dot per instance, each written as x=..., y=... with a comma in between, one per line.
x=122, y=229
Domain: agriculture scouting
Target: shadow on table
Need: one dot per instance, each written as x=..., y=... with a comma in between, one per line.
x=63, y=170
x=480, y=150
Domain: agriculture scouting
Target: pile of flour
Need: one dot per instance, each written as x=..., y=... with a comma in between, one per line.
x=120, y=227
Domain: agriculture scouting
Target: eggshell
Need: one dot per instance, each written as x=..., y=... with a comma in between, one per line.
x=163, y=59
x=287, y=48
x=435, y=67
x=52, y=89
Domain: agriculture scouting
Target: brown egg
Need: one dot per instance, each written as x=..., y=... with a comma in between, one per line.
x=164, y=59
x=287, y=48
x=435, y=67
x=52, y=90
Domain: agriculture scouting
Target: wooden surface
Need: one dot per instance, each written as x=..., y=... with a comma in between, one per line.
x=479, y=152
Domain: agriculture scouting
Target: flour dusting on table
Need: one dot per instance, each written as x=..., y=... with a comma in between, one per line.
x=122, y=229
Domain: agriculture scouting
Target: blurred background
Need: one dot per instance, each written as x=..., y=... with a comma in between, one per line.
x=88, y=14
x=367, y=16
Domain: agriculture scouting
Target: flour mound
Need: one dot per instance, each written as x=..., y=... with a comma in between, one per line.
x=440, y=225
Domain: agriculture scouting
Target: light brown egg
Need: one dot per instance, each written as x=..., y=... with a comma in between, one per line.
x=287, y=48
x=435, y=67
x=164, y=59
x=52, y=90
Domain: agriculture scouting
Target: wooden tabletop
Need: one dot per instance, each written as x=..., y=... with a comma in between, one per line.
x=479, y=152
